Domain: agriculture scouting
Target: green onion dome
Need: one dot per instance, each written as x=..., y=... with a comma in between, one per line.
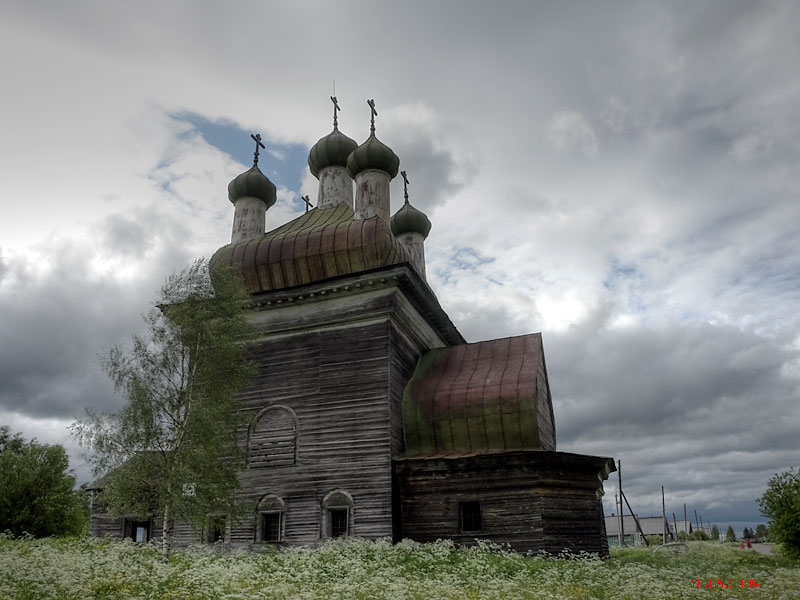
x=373, y=154
x=331, y=150
x=409, y=219
x=252, y=184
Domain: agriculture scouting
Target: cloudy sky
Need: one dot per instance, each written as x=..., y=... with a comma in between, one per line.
x=621, y=176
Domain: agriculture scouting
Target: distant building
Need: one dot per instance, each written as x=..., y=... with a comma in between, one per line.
x=370, y=415
x=632, y=535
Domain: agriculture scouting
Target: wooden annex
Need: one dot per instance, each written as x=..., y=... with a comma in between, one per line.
x=370, y=415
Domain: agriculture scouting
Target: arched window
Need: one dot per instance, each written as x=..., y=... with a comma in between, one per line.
x=269, y=519
x=272, y=438
x=337, y=514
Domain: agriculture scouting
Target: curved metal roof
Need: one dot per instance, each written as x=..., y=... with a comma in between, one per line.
x=318, y=245
x=477, y=398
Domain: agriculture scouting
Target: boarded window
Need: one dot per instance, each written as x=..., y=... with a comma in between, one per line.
x=272, y=438
x=470, y=514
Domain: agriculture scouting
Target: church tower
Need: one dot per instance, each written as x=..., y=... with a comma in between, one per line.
x=328, y=163
x=252, y=193
x=411, y=227
x=373, y=165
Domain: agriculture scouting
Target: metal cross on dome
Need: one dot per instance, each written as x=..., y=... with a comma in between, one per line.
x=307, y=200
x=374, y=113
x=405, y=185
x=335, y=110
x=257, y=139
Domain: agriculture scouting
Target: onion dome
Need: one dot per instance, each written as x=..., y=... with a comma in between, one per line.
x=373, y=154
x=331, y=150
x=410, y=220
x=252, y=184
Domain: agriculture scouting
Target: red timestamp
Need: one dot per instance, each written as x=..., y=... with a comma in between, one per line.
x=722, y=584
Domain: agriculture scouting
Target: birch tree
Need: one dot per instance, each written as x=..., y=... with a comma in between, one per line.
x=172, y=449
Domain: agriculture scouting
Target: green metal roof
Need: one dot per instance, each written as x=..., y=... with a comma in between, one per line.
x=409, y=219
x=333, y=149
x=373, y=154
x=253, y=184
x=477, y=398
x=318, y=245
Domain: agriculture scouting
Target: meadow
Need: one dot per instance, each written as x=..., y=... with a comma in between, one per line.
x=71, y=568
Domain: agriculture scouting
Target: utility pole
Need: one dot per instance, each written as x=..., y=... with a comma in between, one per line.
x=663, y=516
x=685, y=523
x=621, y=519
x=675, y=524
x=696, y=520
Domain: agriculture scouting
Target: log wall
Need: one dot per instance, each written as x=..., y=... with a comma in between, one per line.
x=535, y=501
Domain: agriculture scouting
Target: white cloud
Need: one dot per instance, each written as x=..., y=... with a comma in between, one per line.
x=570, y=131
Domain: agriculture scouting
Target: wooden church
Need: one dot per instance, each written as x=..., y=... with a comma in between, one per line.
x=371, y=416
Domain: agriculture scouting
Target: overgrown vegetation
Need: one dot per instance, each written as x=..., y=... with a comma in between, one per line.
x=781, y=505
x=173, y=447
x=37, y=494
x=63, y=569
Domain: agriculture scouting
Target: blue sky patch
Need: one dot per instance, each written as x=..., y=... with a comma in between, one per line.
x=284, y=164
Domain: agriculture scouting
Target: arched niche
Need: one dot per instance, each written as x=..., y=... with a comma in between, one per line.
x=272, y=438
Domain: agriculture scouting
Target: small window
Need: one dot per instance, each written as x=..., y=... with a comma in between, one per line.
x=470, y=516
x=138, y=531
x=338, y=518
x=269, y=519
x=215, y=529
x=271, y=527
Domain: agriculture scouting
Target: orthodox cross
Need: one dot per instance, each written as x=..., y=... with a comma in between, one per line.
x=405, y=185
x=257, y=140
x=307, y=200
x=373, y=113
x=335, y=109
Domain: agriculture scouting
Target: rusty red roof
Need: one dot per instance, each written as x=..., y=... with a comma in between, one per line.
x=478, y=398
x=318, y=245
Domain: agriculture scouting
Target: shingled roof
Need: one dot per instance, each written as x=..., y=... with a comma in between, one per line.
x=318, y=245
x=479, y=398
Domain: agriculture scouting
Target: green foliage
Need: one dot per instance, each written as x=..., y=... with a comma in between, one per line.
x=681, y=536
x=761, y=532
x=37, y=494
x=173, y=446
x=781, y=505
x=698, y=535
x=655, y=540
x=730, y=535
x=714, y=532
x=360, y=570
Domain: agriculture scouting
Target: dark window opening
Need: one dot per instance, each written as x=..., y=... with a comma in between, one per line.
x=216, y=529
x=271, y=527
x=138, y=531
x=470, y=516
x=338, y=520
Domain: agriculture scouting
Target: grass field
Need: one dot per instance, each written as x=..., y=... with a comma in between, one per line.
x=353, y=569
